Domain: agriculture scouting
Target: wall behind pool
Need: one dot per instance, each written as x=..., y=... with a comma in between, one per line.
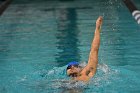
x=137, y=3
x=36, y=1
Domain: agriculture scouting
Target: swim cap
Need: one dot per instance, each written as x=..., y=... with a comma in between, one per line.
x=73, y=63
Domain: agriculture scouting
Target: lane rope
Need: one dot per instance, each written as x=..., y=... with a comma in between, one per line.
x=136, y=15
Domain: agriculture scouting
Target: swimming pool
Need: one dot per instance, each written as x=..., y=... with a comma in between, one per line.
x=37, y=40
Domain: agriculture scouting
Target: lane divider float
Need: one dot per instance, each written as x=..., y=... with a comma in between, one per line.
x=133, y=9
x=136, y=14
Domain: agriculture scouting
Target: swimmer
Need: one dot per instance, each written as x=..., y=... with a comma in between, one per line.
x=85, y=74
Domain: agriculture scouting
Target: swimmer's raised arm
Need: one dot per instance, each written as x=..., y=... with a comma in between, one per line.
x=84, y=74
x=91, y=67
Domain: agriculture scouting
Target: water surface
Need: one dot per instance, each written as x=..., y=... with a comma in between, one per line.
x=38, y=39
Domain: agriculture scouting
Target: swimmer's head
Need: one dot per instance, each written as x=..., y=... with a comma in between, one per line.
x=73, y=69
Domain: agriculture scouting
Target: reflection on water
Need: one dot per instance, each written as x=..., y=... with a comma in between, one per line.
x=67, y=36
x=5, y=39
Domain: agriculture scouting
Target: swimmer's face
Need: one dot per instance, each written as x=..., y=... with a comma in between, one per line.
x=73, y=70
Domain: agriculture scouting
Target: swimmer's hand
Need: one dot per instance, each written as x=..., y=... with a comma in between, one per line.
x=99, y=22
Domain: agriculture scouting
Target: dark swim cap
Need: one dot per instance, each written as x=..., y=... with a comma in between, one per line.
x=70, y=64
x=73, y=63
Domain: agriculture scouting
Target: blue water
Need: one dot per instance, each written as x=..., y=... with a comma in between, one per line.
x=38, y=39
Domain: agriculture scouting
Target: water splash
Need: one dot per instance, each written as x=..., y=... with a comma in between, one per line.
x=60, y=80
x=103, y=77
x=56, y=78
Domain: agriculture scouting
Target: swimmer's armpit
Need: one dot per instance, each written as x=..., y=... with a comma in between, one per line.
x=90, y=70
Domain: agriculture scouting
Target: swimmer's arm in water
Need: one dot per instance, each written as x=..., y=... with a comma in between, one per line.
x=91, y=67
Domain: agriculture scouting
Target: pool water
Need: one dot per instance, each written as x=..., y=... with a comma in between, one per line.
x=38, y=39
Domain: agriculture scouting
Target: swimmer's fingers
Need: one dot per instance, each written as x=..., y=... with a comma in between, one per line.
x=99, y=22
